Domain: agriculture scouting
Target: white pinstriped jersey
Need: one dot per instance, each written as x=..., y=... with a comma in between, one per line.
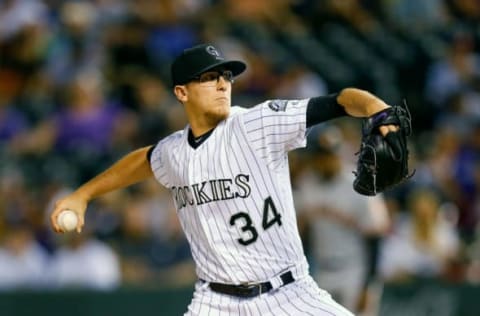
x=233, y=193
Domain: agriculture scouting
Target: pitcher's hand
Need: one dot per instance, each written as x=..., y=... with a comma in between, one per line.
x=72, y=202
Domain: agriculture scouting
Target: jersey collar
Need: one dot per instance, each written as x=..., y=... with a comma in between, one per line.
x=194, y=142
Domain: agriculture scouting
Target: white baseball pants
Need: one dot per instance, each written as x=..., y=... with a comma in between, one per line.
x=302, y=297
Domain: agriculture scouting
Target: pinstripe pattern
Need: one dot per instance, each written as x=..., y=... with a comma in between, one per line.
x=234, y=200
x=234, y=148
x=302, y=297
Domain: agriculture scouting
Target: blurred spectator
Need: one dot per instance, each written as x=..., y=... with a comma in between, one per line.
x=423, y=241
x=298, y=81
x=436, y=166
x=156, y=108
x=414, y=16
x=455, y=72
x=459, y=113
x=37, y=99
x=467, y=11
x=16, y=201
x=23, y=45
x=354, y=13
x=127, y=54
x=76, y=44
x=473, y=255
x=336, y=215
x=18, y=14
x=81, y=261
x=12, y=121
x=467, y=166
x=84, y=131
x=23, y=261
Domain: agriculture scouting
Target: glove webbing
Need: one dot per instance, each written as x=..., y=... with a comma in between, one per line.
x=367, y=166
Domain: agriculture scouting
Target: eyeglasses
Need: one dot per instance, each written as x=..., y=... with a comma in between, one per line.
x=212, y=77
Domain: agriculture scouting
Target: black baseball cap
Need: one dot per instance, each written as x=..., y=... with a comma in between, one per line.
x=199, y=59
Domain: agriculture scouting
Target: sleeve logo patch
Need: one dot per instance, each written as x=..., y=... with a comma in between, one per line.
x=278, y=105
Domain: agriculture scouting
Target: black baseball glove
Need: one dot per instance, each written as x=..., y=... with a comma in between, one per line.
x=383, y=161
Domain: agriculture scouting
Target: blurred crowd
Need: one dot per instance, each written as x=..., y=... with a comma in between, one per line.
x=84, y=82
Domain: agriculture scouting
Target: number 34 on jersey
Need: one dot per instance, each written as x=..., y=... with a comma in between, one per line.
x=244, y=222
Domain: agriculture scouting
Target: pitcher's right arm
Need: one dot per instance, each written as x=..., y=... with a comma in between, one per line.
x=132, y=168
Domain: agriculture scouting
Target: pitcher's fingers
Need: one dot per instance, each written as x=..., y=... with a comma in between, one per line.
x=81, y=222
x=385, y=129
x=53, y=222
x=393, y=128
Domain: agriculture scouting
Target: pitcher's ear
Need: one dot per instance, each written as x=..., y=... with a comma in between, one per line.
x=180, y=93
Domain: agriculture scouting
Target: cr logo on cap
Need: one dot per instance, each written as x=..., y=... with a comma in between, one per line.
x=213, y=51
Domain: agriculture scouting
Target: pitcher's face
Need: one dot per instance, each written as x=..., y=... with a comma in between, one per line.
x=208, y=95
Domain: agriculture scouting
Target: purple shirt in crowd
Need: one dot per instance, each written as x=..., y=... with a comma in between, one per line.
x=92, y=131
x=12, y=122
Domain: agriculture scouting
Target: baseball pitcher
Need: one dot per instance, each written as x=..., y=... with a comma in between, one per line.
x=228, y=174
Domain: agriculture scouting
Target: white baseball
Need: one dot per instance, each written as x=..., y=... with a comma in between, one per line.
x=67, y=220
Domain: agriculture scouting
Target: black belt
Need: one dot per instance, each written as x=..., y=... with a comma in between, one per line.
x=249, y=290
